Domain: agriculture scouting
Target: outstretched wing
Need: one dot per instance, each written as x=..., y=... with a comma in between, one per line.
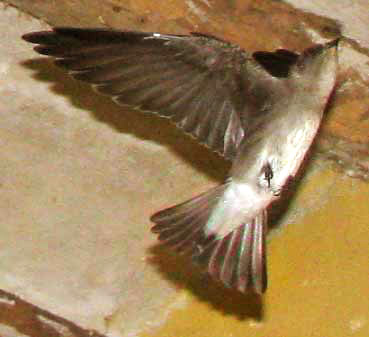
x=195, y=80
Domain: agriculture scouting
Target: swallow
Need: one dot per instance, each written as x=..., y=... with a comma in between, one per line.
x=259, y=110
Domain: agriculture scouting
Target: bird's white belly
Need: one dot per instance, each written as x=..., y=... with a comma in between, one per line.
x=240, y=203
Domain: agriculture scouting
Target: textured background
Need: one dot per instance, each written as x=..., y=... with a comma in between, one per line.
x=79, y=178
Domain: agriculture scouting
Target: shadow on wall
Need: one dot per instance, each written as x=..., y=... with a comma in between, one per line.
x=32, y=321
x=182, y=273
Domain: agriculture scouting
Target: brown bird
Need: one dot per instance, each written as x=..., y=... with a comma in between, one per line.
x=260, y=110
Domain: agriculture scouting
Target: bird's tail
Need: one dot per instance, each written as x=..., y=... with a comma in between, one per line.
x=236, y=258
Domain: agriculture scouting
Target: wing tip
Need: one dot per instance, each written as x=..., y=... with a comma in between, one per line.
x=34, y=37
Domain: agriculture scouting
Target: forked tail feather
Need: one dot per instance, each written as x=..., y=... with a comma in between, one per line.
x=237, y=259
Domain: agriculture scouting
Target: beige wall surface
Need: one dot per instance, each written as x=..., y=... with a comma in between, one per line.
x=80, y=177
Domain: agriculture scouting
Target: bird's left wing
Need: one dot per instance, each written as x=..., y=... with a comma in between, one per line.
x=195, y=80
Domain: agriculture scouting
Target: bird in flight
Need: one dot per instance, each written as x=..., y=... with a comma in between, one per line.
x=259, y=110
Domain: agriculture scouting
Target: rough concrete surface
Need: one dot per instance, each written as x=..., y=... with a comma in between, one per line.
x=80, y=177
x=353, y=16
